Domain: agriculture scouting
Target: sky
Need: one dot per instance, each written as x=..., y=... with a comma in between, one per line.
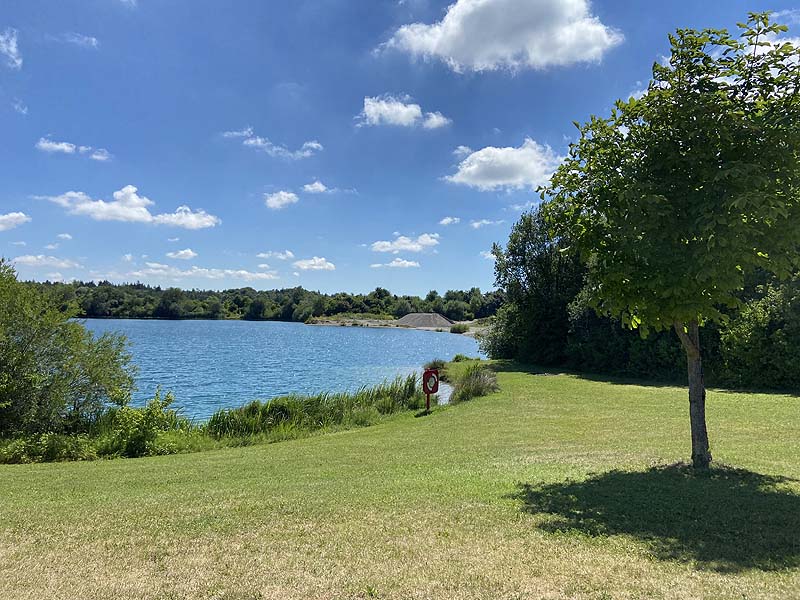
x=339, y=145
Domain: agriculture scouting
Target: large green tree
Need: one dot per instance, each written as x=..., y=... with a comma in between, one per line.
x=677, y=195
x=55, y=376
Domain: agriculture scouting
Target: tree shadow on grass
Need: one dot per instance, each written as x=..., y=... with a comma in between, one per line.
x=725, y=520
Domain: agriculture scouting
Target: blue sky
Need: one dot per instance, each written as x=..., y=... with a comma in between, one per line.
x=322, y=143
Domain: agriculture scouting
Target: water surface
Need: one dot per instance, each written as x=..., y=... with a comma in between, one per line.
x=215, y=364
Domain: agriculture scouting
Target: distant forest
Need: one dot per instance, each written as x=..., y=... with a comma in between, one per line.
x=140, y=301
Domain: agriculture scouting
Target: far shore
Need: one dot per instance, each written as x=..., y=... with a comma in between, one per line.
x=474, y=327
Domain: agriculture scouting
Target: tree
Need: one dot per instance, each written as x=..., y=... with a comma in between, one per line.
x=682, y=192
x=540, y=279
x=55, y=376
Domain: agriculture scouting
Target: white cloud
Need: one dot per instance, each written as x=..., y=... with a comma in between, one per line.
x=129, y=206
x=450, y=221
x=484, y=35
x=638, y=91
x=55, y=277
x=316, y=263
x=488, y=255
x=484, y=223
x=162, y=271
x=186, y=254
x=175, y=239
x=78, y=39
x=47, y=145
x=490, y=168
x=406, y=244
x=462, y=151
x=19, y=106
x=280, y=199
x=397, y=263
x=11, y=220
x=9, y=48
x=251, y=140
x=316, y=187
x=64, y=236
x=286, y=255
x=127, y=257
x=18, y=243
x=264, y=266
x=51, y=247
x=129, y=3
x=101, y=154
x=40, y=260
x=435, y=120
x=398, y=111
x=791, y=16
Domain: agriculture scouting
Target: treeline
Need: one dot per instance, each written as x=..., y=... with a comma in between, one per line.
x=140, y=301
x=548, y=320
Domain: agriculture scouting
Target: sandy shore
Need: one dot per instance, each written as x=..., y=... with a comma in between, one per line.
x=474, y=328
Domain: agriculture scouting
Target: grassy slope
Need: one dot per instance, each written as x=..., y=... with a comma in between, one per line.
x=430, y=507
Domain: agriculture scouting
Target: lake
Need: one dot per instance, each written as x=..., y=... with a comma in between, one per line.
x=218, y=364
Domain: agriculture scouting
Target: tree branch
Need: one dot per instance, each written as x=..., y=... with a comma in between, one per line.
x=691, y=347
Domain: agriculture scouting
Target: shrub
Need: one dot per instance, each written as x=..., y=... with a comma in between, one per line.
x=459, y=328
x=462, y=357
x=436, y=363
x=134, y=432
x=475, y=380
x=47, y=447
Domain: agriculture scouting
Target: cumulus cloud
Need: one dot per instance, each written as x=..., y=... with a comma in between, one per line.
x=450, y=221
x=488, y=255
x=485, y=35
x=48, y=145
x=490, y=168
x=317, y=263
x=51, y=247
x=484, y=223
x=12, y=220
x=317, y=187
x=397, y=263
x=9, y=49
x=251, y=140
x=40, y=260
x=403, y=243
x=462, y=151
x=398, y=111
x=161, y=271
x=127, y=257
x=186, y=254
x=280, y=199
x=285, y=255
x=64, y=236
x=129, y=206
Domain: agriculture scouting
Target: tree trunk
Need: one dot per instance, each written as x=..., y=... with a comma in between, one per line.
x=701, y=457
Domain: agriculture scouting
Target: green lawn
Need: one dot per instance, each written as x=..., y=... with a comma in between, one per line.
x=543, y=490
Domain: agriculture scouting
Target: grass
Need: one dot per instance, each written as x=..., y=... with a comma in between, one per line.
x=554, y=487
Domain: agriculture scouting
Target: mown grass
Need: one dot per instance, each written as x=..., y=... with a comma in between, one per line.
x=554, y=487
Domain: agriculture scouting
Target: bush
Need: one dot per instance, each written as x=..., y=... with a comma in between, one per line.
x=47, y=447
x=134, y=432
x=462, y=357
x=459, y=328
x=475, y=380
x=436, y=363
x=759, y=347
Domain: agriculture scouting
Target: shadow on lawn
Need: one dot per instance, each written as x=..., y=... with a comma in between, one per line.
x=726, y=519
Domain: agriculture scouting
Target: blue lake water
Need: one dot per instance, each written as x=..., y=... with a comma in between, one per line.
x=215, y=364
